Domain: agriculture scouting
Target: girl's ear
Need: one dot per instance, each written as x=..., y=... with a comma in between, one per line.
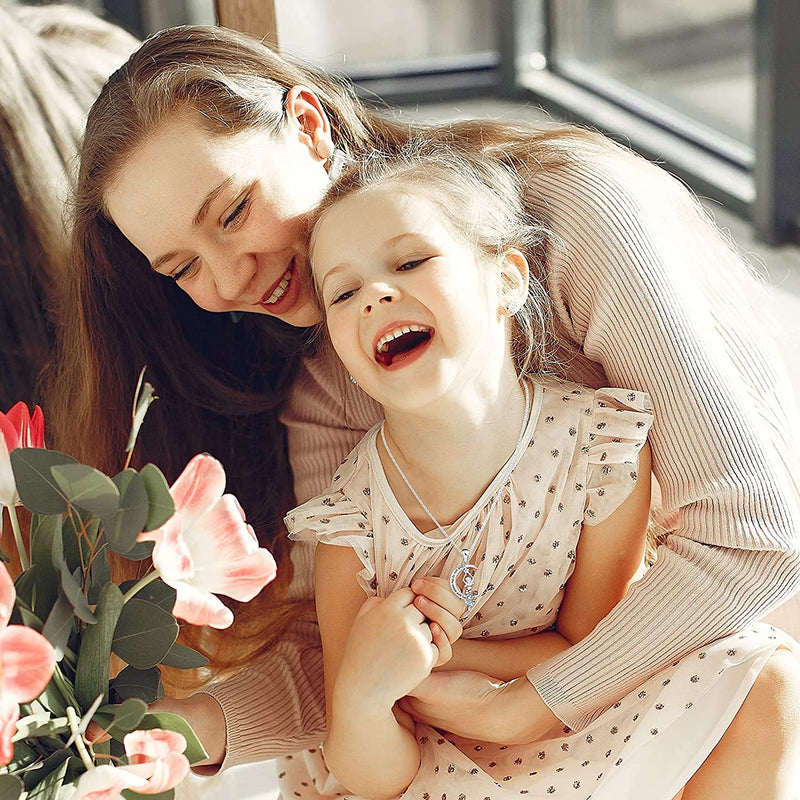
x=305, y=115
x=513, y=281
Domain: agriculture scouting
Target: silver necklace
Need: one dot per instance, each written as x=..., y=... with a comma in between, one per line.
x=462, y=578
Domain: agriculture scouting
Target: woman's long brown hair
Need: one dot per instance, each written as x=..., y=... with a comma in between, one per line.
x=220, y=384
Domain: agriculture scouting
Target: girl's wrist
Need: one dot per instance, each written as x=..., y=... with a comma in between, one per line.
x=522, y=715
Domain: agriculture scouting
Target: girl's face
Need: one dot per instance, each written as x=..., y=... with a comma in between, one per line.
x=225, y=215
x=412, y=311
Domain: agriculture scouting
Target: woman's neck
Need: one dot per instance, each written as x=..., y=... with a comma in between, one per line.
x=451, y=453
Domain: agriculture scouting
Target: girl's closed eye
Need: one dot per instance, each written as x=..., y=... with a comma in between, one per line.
x=237, y=215
x=339, y=297
x=409, y=265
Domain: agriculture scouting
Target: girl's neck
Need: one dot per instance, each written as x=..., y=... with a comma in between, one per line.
x=450, y=454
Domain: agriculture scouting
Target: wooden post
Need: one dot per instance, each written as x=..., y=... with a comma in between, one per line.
x=256, y=17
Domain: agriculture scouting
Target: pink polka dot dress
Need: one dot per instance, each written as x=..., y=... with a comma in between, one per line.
x=575, y=465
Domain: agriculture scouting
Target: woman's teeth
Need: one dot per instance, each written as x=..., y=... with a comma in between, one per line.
x=280, y=288
x=383, y=342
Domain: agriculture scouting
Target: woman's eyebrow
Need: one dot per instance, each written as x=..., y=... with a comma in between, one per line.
x=210, y=198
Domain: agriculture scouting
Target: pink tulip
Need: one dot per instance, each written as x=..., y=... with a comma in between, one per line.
x=106, y=783
x=156, y=764
x=27, y=661
x=207, y=548
x=17, y=429
x=162, y=753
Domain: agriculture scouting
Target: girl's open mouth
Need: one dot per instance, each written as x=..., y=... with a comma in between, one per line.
x=401, y=343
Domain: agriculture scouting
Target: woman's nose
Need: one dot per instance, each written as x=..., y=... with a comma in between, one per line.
x=232, y=276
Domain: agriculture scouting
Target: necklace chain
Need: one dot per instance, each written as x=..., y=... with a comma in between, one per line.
x=465, y=573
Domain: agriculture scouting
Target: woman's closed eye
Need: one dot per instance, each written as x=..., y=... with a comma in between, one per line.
x=185, y=271
x=237, y=215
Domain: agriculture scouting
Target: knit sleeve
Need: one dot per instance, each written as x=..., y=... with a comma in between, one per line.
x=325, y=417
x=645, y=286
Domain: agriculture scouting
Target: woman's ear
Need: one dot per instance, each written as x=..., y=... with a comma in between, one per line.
x=305, y=114
x=514, y=279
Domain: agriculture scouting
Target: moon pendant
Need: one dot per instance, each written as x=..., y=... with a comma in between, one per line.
x=466, y=593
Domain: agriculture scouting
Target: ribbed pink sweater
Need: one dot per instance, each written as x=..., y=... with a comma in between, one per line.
x=659, y=304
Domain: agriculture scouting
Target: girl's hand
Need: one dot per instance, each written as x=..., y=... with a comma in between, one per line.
x=443, y=610
x=475, y=706
x=389, y=650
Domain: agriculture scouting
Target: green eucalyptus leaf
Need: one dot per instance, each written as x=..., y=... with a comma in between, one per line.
x=143, y=396
x=58, y=625
x=124, y=716
x=129, y=794
x=28, y=618
x=174, y=722
x=36, y=485
x=24, y=756
x=25, y=586
x=78, y=545
x=91, y=674
x=43, y=783
x=162, y=506
x=10, y=787
x=182, y=657
x=87, y=488
x=99, y=576
x=122, y=528
x=156, y=592
x=46, y=547
x=144, y=634
x=142, y=683
x=140, y=551
x=41, y=724
x=44, y=589
x=72, y=589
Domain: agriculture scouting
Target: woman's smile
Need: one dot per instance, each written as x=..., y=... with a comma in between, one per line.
x=224, y=215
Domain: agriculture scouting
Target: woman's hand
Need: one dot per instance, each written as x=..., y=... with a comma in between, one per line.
x=476, y=706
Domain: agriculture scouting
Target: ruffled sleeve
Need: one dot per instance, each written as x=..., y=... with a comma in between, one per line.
x=339, y=517
x=618, y=429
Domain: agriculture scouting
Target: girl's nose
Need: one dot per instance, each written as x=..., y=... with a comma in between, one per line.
x=380, y=295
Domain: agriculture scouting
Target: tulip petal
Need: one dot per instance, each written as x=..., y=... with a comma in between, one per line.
x=8, y=486
x=199, y=486
x=163, y=750
x=7, y=596
x=245, y=578
x=27, y=661
x=9, y=714
x=106, y=783
x=10, y=428
x=37, y=428
x=200, y=608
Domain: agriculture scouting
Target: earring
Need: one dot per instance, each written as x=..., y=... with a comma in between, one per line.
x=353, y=381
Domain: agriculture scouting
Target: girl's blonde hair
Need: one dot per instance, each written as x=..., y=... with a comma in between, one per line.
x=481, y=199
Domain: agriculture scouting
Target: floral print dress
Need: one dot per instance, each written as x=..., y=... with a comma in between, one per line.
x=575, y=465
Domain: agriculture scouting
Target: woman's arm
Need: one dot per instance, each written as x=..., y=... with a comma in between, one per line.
x=645, y=286
x=375, y=651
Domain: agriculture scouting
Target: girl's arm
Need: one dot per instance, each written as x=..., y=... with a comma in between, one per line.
x=375, y=651
x=501, y=706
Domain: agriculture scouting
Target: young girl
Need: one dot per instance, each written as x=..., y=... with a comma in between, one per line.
x=492, y=497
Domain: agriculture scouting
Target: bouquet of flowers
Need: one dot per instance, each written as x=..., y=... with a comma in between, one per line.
x=64, y=616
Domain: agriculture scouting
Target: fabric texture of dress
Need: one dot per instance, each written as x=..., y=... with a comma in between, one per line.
x=576, y=464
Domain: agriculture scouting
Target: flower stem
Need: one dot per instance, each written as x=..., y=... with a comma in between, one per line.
x=73, y=720
x=21, y=552
x=139, y=585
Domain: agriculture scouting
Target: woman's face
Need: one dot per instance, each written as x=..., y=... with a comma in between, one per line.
x=225, y=215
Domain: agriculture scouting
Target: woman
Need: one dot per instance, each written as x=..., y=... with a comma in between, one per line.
x=202, y=158
x=53, y=62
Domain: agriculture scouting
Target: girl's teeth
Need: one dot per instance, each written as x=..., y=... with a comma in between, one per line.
x=280, y=288
x=383, y=343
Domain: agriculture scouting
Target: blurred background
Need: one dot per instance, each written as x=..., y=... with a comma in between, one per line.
x=707, y=89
